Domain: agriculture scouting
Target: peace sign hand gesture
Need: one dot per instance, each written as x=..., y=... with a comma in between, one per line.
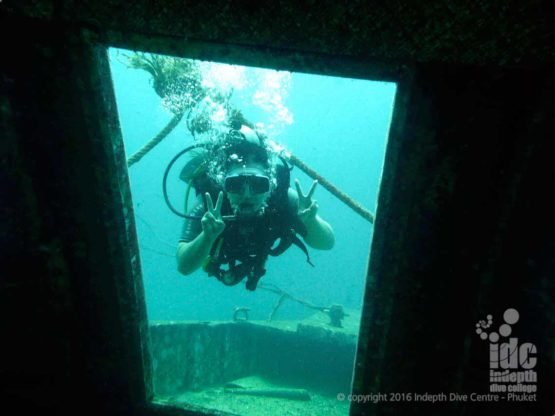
x=212, y=222
x=307, y=207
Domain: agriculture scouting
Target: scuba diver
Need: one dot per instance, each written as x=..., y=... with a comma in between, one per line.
x=246, y=211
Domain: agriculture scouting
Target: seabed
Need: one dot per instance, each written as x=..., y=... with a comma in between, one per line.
x=231, y=404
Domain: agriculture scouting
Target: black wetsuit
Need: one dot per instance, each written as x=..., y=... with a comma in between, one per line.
x=245, y=244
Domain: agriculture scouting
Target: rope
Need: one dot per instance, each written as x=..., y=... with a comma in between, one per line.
x=159, y=137
x=270, y=287
x=334, y=312
x=342, y=196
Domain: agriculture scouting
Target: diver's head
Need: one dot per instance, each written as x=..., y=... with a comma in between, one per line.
x=248, y=178
x=247, y=188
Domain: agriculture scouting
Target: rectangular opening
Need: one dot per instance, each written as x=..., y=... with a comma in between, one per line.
x=289, y=345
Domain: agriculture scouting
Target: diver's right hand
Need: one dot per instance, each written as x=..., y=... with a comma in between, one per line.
x=212, y=221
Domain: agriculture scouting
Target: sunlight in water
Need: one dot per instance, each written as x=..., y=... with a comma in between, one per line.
x=223, y=76
x=274, y=88
x=270, y=88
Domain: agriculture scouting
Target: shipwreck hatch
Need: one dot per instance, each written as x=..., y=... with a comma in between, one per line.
x=293, y=341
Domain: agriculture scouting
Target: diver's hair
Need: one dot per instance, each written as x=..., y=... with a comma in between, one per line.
x=246, y=151
x=231, y=148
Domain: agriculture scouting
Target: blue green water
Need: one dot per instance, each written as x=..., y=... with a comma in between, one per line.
x=338, y=126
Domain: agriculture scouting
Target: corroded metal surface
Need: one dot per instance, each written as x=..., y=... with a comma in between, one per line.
x=482, y=32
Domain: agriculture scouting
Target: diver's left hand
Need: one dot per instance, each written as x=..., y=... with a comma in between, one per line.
x=307, y=207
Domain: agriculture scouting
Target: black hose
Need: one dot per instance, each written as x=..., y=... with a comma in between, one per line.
x=165, y=180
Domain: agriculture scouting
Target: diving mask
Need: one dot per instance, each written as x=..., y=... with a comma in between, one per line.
x=258, y=184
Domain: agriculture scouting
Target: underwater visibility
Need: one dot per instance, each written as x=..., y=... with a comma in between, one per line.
x=254, y=193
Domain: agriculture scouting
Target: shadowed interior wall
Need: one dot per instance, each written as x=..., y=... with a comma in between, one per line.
x=466, y=210
x=70, y=301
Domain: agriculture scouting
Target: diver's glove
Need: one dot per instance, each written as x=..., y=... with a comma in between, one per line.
x=307, y=207
x=212, y=221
